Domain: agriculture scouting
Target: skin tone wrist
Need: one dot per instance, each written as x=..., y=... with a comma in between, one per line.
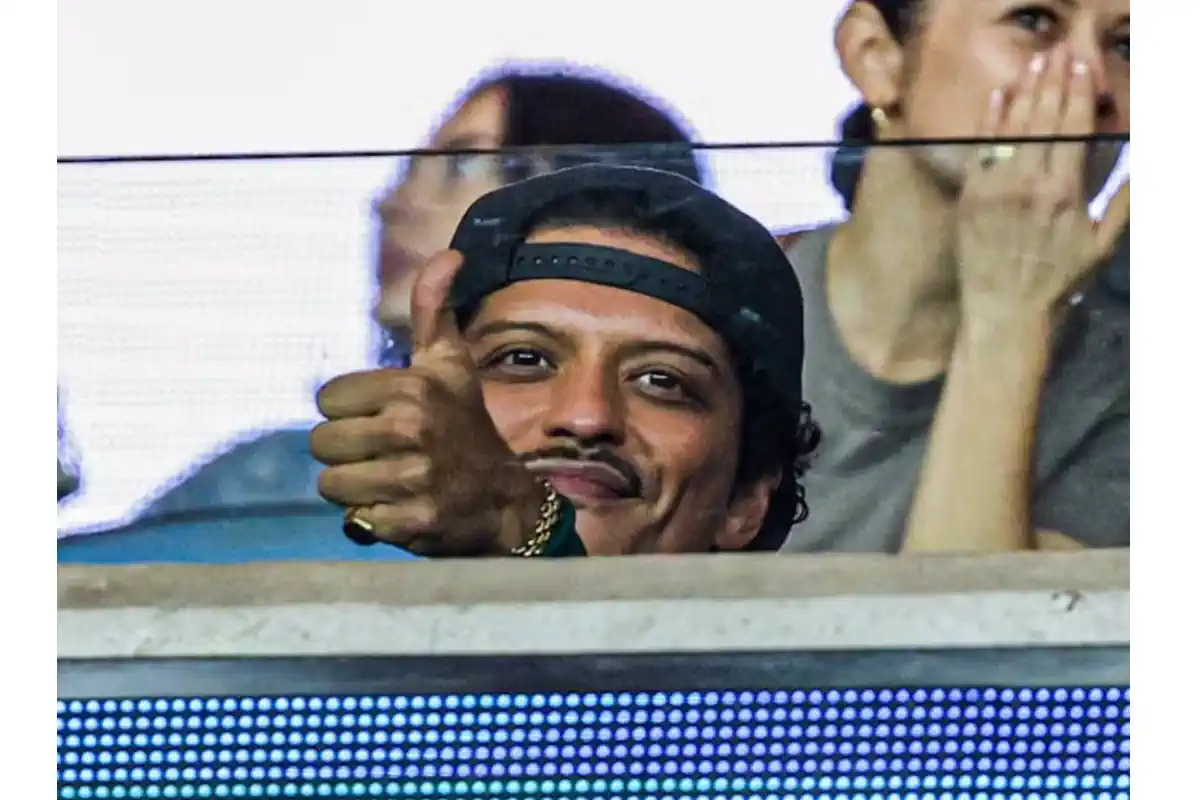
x=999, y=326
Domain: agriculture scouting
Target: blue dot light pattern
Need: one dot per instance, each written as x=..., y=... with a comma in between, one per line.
x=918, y=744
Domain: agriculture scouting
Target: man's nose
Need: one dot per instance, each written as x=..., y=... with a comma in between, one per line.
x=587, y=408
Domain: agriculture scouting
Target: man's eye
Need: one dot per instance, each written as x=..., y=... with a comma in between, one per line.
x=522, y=359
x=663, y=384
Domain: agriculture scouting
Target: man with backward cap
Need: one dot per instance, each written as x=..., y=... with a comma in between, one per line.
x=607, y=361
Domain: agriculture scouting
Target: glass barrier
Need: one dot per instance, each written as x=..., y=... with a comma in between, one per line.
x=201, y=303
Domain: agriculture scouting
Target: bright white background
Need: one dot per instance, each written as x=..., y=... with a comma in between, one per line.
x=145, y=76
x=200, y=302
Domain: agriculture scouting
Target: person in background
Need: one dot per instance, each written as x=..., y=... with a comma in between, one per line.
x=541, y=121
x=68, y=458
x=971, y=382
x=595, y=371
x=553, y=118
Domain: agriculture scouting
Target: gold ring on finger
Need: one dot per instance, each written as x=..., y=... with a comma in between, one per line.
x=995, y=154
x=358, y=528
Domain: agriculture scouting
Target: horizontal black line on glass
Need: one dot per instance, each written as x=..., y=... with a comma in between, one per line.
x=701, y=146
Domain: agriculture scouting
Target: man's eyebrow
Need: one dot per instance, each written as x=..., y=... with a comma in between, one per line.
x=691, y=353
x=508, y=326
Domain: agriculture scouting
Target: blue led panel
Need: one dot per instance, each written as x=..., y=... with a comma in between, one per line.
x=860, y=744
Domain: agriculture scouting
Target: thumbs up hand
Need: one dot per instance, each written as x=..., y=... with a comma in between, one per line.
x=414, y=453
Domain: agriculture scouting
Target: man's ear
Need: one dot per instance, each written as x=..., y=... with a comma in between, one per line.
x=871, y=57
x=747, y=511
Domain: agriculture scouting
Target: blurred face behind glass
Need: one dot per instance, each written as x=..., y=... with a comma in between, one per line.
x=938, y=85
x=418, y=215
x=630, y=406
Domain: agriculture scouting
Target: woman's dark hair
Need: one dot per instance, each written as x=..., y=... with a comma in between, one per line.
x=581, y=116
x=857, y=127
x=777, y=436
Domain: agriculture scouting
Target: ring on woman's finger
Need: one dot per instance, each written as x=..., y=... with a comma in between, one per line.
x=358, y=528
x=996, y=153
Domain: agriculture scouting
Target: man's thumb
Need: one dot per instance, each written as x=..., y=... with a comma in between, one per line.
x=433, y=317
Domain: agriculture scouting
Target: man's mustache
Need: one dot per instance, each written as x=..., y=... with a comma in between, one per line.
x=606, y=457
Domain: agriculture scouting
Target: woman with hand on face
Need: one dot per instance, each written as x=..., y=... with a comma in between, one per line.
x=973, y=394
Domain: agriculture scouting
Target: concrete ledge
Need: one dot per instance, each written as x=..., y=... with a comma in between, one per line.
x=734, y=603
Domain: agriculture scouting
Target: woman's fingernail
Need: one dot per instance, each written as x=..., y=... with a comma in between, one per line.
x=1038, y=63
x=1080, y=67
x=996, y=99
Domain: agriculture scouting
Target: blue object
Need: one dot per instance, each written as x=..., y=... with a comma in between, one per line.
x=1062, y=743
x=298, y=534
x=256, y=501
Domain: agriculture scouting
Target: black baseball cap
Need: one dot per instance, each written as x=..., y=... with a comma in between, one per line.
x=747, y=290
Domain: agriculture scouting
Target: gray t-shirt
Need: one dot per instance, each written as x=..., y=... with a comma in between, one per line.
x=861, y=484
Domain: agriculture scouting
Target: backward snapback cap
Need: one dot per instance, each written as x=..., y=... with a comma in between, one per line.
x=746, y=291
